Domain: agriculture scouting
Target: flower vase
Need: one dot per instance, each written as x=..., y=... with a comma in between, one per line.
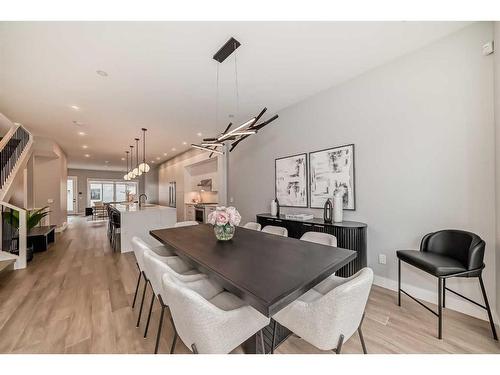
x=224, y=232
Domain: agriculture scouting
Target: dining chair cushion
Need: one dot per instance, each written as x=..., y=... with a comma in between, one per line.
x=211, y=328
x=333, y=308
x=156, y=267
x=163, y=251
x=435, y=264
x=279, y=231
x=252, y=225
x=320, y=238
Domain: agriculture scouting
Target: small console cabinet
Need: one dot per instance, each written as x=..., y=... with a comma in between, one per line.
x=350, y=235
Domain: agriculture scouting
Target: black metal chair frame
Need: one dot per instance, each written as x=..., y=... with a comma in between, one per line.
x=442, y=288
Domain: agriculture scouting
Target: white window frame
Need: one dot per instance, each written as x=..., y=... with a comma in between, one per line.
x=108, y=180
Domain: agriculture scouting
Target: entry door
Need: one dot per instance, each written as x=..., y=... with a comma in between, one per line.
x=72, y=195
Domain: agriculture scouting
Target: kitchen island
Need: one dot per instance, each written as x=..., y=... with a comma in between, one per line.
x=138, y=220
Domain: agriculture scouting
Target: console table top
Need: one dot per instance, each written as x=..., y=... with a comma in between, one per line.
x=343, y=224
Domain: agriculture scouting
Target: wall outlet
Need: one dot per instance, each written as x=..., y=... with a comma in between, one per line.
x=50, y=200
x=382, y=259
x=231, y=200
x=488, y=48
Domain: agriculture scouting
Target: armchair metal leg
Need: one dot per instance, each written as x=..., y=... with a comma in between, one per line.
x=440, y=308
x=149, y=314
x=172, y=348
x=195, y=350
x=273, y=343
x=487, y=305
x=262, y=346
x=399, y=282
x=360, y=333
x=339, y=345
x=160, y=324
x=142, y=302
x=137, y=287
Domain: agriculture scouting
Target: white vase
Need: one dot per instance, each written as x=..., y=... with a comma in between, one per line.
x=274, y=208
x=338, y=209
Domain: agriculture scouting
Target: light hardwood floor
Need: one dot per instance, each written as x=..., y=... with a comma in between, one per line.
x=76, y=297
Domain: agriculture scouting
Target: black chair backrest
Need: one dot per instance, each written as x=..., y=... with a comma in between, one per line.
x=466, y=247
x=115, y=218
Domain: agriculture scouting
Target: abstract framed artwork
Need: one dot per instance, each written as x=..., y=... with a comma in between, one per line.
x=291, y=180
x=332, y=169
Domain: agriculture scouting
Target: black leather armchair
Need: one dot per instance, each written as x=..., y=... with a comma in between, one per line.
x=444, y=254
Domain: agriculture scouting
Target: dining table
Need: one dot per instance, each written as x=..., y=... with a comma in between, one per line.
x=267, y=271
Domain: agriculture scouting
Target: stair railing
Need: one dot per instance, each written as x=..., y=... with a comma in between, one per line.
x=11, y=149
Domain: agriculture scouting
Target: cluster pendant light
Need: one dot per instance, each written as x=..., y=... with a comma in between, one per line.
x=137, y=169
x=144, y=167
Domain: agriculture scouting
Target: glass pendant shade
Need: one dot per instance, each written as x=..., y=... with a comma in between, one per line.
x=136, y=172
x=144, y=167
x=125, y=177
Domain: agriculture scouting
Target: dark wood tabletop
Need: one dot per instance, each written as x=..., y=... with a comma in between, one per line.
x=265, y=270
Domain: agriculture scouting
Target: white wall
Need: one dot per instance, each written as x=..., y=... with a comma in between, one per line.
x=423, y=127
x=497, y=159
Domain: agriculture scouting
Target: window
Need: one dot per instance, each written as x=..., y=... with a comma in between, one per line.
x=109, y=191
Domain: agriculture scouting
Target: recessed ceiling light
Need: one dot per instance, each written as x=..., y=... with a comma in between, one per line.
x=157, y=158
x=77, y=123
x=106, y=161
x=75, y=107
x=85, y=146
x=81, y=133
x=102, y=73
x=17, y=124
x=174, y=149
x=199, y=134
x=123, y=159
x=184, y=143
x=87, y=155
x=152, y=161
x=165, y=154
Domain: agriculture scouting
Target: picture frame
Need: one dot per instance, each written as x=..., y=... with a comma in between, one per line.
x=331, y=169
x=291, y=180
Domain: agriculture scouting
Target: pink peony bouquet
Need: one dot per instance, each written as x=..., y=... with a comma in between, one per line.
x=224, y=216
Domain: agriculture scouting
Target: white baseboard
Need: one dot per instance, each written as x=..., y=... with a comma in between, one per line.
x=452, y=302
x=62, y=227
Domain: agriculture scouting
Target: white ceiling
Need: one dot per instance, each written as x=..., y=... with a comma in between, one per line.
x=162, y=76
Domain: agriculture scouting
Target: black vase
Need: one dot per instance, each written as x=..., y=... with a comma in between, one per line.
x=328, y=211
x=277, y=207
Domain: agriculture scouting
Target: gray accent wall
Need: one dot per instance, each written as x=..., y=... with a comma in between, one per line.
x=423, y=129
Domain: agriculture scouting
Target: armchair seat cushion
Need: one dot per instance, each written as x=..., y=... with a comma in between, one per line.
x=435, y=264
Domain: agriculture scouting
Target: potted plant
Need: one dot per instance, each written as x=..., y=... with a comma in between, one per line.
x=224, y=221
x=33, y=218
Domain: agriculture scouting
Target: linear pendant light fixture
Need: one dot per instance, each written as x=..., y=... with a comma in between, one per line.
x=248, y=128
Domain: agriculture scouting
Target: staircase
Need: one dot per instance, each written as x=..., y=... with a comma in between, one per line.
x=15, y=149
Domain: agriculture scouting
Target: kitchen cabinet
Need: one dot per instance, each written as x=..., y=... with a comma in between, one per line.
x=189, y=212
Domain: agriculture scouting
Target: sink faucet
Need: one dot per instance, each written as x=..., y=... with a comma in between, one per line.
x=146, y=198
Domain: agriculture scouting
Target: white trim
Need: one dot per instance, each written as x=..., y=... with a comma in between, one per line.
x=62, y=227
x=452, y=302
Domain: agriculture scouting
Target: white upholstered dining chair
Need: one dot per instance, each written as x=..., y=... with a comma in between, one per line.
x=330, y=313
x=185, y=224
x=155, y=268
x=279, y=231
x=210, y=324
x=320, y=238
x=252, y=225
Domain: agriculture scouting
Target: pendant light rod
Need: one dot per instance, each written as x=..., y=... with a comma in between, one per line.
x=137, y=172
